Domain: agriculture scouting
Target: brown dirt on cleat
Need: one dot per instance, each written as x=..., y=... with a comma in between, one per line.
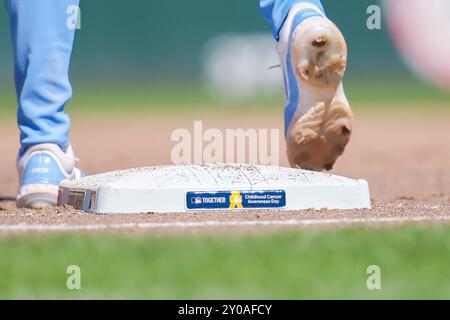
x=318, y=138
x=319, y=41
x=321, y=53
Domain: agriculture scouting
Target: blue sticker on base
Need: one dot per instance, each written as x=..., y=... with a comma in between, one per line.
x=235, y=200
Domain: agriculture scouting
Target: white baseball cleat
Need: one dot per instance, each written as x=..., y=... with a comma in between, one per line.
x=318, y=118
x=41, y=169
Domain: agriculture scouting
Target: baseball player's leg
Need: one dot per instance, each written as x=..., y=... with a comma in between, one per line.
x=313, y=54
x=276, y=11
x=42, y=41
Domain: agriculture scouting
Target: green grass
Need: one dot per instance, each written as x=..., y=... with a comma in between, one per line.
x=394, y=92
x=363, y=93
x=132, y=96
x=321, y=263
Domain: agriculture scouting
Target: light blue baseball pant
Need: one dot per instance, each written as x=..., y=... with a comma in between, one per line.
x=276, y=12
x=42, y=39
x=43, y=44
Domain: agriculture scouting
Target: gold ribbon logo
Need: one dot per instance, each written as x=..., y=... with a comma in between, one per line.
x=235, y=200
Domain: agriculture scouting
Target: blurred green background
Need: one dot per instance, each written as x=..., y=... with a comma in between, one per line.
x=150, y=54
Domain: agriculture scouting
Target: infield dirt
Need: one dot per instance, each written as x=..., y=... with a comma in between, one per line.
x=403, y=155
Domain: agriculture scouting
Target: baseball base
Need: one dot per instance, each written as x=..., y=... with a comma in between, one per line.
x=215, y=187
